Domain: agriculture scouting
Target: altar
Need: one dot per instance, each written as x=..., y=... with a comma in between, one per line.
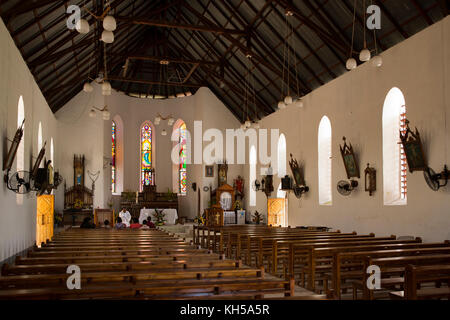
x=170, y=217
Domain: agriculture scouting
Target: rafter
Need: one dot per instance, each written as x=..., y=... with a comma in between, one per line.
x=169, y=24
x=172, y=60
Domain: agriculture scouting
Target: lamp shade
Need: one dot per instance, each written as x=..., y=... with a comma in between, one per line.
x=248, y=124
x=351, y=64
x=364, y=55
x=109, y=23
x=105, y=114
x=88, y=87
x=299, y=103
x=288, y=100
x=82, y=26
x=171, y=121
x=164, y=132
x=107, y=36
x=281, y=105
x=377, y=61
x=106, y=88
x=92, y=113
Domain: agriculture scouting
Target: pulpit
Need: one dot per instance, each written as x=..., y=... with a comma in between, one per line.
x=214, y=217
x=100, y=215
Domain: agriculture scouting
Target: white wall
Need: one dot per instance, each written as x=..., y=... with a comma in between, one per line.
x=18, y=222
x=92, y=137
x=420, y=67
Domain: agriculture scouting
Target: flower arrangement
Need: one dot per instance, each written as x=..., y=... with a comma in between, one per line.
x=257, y=217
x=159, y=216
x=200, y=220
x=110, y=203
x=78, y=204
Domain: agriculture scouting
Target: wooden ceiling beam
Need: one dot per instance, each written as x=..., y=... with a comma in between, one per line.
x=422, y=12
x=244, y=49
x=26, y=6
x=392, y=19
x=172, y=60
x=142, y=81
x=237, y=76
x=168, y=24
x=323, y=34
x=59, y=54
x=209, y=71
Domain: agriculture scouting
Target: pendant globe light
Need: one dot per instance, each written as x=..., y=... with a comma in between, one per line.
x=88, y=87
x=82, y=26
x=377, y=60
x=109, y=23
x=351, y=62
x=106, y=88
x=299, y=103
x=286, y=100
x=107, y=36
x=289, y=100
x=365, y=54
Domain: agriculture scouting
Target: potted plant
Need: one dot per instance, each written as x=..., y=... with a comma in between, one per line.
x=159, y=216
x=257, y=217
x=170, y=196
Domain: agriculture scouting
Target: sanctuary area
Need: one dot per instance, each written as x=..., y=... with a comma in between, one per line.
x=225, y=150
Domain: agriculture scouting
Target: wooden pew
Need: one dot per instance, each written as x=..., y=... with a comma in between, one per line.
x=393, y=264
x=340, y=258
x=133, y=265
x=417, y=276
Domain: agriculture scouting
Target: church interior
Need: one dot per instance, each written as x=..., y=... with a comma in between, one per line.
x=235, y=150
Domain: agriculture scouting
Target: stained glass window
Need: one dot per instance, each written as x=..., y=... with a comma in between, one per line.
x=113, y=156
x=146, y=155
x=183, y=157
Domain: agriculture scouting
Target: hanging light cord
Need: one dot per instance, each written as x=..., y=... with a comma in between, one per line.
x=353, y=28
x=374, y=35
x=296, y=62
x=364, y=26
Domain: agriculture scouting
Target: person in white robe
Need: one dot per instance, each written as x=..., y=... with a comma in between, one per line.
x=126, y=217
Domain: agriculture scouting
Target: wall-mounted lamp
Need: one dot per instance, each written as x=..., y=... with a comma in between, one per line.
x=105, y=113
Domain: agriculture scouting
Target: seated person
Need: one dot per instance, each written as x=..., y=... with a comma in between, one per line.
x=106, y=224
x=87, y=224
x=150, y=223
x=119, y=225
x=144, y=225
x=135, y=224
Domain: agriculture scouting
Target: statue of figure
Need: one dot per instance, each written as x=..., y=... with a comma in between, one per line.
x=125, y=216
x=239, y=186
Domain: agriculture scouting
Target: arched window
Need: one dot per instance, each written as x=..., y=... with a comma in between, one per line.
x=282, y=156
x=113, y=158
x=21, y=148
x=52, y=152
x=252, y=176
x=179, y=172
x=324, y=163
x=39, y=146
x=394, y=160
x=147, y=165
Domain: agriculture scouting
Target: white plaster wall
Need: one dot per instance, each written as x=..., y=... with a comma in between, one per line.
x=420, y=67
x=18, y=222
x=93, y=138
